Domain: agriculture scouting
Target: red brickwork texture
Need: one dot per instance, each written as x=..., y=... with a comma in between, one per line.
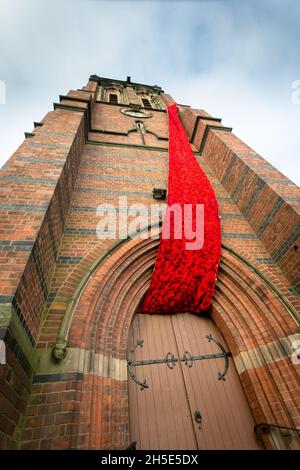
x=15, y=386
x=245, y=309
x=50, y=190
x=36, y=188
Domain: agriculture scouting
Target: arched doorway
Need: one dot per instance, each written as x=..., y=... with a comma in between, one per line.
x=256, y=323
x=184, y=404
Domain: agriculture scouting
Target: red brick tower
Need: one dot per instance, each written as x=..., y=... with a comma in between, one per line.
x=67, y=298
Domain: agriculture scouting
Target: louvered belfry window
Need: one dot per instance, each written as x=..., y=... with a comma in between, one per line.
x=113, y=98
x=146, y=103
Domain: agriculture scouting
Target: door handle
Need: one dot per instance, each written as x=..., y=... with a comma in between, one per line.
x=198, y=417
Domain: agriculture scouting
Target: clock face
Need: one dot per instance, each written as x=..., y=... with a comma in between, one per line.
x=135, y=113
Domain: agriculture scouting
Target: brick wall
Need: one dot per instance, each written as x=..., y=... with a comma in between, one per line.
x=36, y=188
x=51, y=189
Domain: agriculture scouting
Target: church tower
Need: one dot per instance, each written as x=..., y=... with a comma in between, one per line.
x=71, y=374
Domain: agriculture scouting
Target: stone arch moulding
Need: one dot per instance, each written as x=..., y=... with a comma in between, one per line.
x=257, y=322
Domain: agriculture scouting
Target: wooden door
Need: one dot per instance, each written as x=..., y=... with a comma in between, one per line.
x=163, y=415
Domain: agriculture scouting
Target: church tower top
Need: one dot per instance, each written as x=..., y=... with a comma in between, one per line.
x=104, y=81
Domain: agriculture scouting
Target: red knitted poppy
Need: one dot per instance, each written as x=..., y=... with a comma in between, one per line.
x=184, y=279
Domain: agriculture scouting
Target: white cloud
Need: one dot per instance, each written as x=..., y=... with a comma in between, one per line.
x=235, y=59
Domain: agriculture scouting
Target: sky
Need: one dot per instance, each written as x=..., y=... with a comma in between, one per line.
x=237, y=59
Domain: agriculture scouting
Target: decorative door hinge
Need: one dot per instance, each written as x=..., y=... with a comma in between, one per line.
x=171, y=361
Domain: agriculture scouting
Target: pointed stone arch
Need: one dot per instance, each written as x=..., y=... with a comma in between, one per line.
x=255, y=319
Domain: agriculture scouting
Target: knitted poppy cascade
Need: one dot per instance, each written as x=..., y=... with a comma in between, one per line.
x=188, y=257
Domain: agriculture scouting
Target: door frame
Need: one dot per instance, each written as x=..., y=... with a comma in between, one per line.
x=252, y=315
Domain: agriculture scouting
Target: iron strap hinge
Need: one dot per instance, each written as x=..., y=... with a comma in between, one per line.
x=171, y=361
